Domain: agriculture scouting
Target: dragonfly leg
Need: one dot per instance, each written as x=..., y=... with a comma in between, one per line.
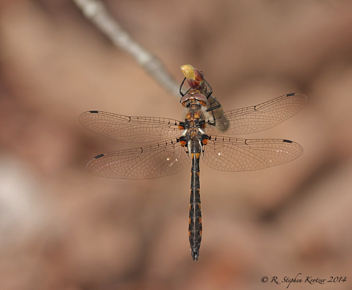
x=211, y=90
x=218, y=105
x=209, y=95
x=181, y=93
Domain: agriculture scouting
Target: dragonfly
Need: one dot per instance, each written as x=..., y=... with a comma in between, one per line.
x=174, y=144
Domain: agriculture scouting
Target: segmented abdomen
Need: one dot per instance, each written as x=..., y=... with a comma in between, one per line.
x=195, y=214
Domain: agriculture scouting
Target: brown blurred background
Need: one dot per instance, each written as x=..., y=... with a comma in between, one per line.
x=62, y=228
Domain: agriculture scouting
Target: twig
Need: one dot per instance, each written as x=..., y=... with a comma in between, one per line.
x=97, y=13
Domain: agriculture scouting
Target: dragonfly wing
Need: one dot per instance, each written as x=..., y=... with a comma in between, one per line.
x=130, y=129
x=152, y=161
x=263, y=116
x=233, y=154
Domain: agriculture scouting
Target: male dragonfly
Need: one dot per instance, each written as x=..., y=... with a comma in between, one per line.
x=179, y=143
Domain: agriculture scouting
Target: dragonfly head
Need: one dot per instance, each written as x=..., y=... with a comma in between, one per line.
x=194, y=76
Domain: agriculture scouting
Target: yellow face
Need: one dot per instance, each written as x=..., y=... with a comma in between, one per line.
x=188, y=71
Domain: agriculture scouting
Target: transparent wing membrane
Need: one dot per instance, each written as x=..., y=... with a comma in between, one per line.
x=130, y=129
x=152, y=161
x=168, y=157
x=221, y=153
x=263, y=116
x=233, y=154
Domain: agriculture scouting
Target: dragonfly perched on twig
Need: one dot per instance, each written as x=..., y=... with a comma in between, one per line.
x=177, y=144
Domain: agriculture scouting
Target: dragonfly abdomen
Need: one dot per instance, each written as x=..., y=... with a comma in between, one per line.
x=195, y=214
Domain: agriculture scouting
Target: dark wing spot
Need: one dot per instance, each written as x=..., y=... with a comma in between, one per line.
x=291, y=94
x=98, y=156
x=93, y=112
x=287, y=141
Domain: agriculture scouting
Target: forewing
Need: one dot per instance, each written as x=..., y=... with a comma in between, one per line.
x=152, y=161
x=263, y=116
x=233, y=154
x=130, y=129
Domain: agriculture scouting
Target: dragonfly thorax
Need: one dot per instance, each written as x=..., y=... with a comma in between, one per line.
x=194, y=125
x=193, y=98
x=195, y=117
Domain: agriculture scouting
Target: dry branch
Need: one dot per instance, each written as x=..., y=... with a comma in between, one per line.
x=96, y=12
